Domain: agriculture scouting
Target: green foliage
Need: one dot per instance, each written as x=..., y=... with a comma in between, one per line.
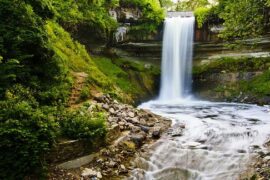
x=258, y=86
x=166, y=3
x=152, y=15
x=26, y=135
x=85, y=93
x=201, y=15
x=74, y=56
x=37, y=58
x=131, y=77
x=83, y=124
x=92, y=14
x=242, y=19
x=191, y=5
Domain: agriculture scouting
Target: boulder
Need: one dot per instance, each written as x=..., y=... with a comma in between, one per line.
x=131, y=114
x=144, y=128
x=105, y=106
x=177, y=132
x=123, y=169
x=156, y=132
x=89, y=173
x=138, y=139
x=111, y=110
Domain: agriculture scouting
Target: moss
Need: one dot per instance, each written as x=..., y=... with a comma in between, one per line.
x=229, y=64
x=125, y=80
x=133, y=78
x=256, y=88
x=130, y=145
x=74, y=56
x=259, y=85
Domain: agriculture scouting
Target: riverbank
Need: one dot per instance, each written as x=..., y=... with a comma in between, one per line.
x=233, y=79
x=260, y=169
x=130, y=132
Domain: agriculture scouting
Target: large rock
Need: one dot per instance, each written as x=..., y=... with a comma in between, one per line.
x=89, y=173
x=156, y=132
x=131, y=114
x=138, y=139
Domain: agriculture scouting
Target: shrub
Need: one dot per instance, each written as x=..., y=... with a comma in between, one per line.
x=85, y=93
x=81, y=124
x=26, y=135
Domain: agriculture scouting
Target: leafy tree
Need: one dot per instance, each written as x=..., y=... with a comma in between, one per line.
x=243, y=19
x=191, y=5
x=26, y=135
x=166, y=3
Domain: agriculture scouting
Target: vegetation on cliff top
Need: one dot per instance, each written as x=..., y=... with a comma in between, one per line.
x=152, y=16
x=244, y=19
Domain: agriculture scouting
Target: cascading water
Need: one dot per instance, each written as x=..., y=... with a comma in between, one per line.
x=177, y=58
x=219, y=140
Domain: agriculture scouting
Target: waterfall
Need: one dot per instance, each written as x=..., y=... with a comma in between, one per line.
x=177, y=54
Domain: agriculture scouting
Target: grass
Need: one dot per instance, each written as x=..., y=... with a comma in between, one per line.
x=133, y=78
x=74, y=56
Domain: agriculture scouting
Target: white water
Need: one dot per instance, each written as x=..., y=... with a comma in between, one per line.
x=177, y=58
x=219, y=140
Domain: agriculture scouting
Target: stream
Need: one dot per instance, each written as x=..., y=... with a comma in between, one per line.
x=218, y=142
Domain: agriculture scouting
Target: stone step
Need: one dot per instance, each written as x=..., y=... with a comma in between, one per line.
x=76, y=163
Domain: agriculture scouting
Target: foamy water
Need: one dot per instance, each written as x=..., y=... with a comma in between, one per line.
x=218, y=142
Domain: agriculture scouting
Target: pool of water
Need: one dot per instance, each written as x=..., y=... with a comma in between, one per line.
x=218, y=142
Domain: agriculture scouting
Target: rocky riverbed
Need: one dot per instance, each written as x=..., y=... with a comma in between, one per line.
x=131, y=131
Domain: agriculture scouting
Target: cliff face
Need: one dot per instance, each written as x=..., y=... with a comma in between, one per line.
x=241, y=75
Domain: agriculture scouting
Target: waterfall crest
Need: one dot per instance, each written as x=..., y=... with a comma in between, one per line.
x=177, y=52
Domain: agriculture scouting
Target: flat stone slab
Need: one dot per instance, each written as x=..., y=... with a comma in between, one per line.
x=76, y=163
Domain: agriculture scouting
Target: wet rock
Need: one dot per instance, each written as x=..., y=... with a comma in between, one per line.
x=99, y=175
x=135, y=129
x=241, y=151
x=111, y=110
x=183, y=126
x=131, y=114
x=122, y=123
x=134, y=120
x=124, y=114
x=177, y=132
x=150, y=124
x=156, y=132
x=105, y=106
x=142, y=121
x=266, y=159
x=112, y=119
x=112, y=164
x=123, y=169
x=138, y=139
x=193, y=144
x=89, y=173
x=144, y=128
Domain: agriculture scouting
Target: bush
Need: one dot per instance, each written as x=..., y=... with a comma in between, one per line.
x=81, y=124
x=26, y=135
x=201, y=15
x=85, y=93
